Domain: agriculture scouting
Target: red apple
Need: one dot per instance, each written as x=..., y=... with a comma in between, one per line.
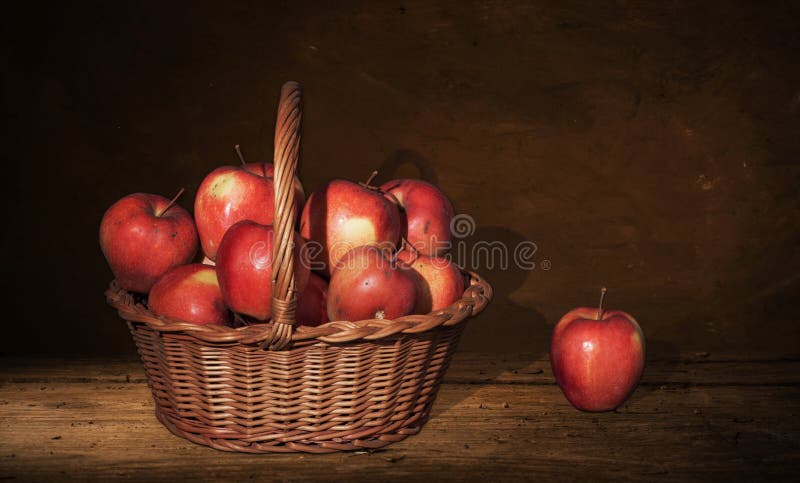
x=190, y=293
x=428, y=213
x=366, y=284
x=440, y=281
x=597, y=357
x=143, y=236
x=341, y=215
x=230, y=194
x=312, y=303
x=244, y=267
x=227, y=195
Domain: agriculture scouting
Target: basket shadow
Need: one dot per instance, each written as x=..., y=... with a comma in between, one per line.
x=508, y=327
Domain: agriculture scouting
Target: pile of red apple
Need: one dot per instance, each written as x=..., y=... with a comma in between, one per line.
x=361, y=251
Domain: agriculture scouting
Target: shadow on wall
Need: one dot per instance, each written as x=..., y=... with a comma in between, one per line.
x=504, y=323
x=393, y=167
x=504, y=320
x=490, y=251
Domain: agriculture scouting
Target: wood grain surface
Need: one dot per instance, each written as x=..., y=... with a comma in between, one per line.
x=696, y=417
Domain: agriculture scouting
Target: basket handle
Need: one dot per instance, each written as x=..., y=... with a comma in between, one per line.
x=284, y=285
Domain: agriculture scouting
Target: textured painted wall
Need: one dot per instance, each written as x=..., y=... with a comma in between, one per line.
x=650, y=148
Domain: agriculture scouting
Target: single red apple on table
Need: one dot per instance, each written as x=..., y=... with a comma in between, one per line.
x=597, y=356
x=427, y=212
x=244, y=267
x=312, y=303
x=341, y=215
x=230, y=194
x=190, y=293
x=367, y=284
x=441, y=282
x=143, y=236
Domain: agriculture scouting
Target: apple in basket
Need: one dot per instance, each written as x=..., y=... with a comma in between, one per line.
x=597, y=356
x=341, y=215
x=440, y=281
x=312, y=303
x=142, y=236
x=230, y=194
x=244, y=267
x=367, y=284
x=190, y=293
x=427, y=214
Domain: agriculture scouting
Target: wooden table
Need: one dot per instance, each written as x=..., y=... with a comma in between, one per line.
x=697, y=417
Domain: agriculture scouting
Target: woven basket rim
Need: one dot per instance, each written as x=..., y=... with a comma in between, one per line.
x=475, y=298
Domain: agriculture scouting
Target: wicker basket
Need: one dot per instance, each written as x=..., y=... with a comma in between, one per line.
x=279, y=388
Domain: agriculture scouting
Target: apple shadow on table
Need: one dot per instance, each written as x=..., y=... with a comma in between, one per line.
x=662, y=360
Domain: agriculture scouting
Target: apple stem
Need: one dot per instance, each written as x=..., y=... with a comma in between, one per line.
x=600, y=307
x=239, y=153
x=371, y=177
x=172, y=202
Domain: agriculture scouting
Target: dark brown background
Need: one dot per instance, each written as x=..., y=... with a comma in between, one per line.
x=652, y=148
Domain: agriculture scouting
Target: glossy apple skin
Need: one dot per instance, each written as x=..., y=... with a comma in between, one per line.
x=190, y=293
x=244, y=268
x=427, y=213
x=597, y=363
x=440, y=282
x=341, y=215
x=367, y=285
x=139, y=246
x=312, y=303
x=229, y=195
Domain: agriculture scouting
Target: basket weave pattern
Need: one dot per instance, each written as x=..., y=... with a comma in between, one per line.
x=276, y=387
x=312, y=399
